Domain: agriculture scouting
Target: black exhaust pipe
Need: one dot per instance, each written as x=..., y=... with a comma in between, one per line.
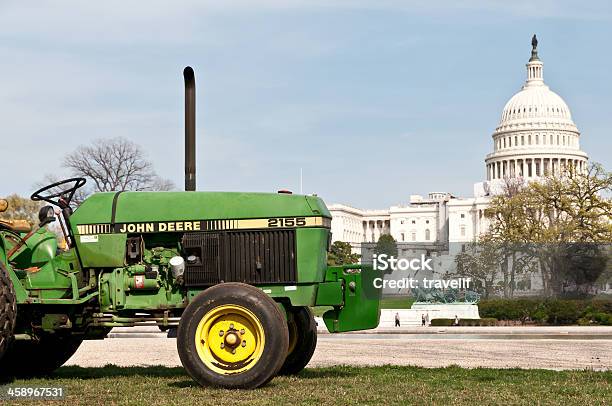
x=190, y=141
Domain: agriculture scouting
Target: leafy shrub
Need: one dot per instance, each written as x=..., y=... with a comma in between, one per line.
x=488, y=321
x=464, y=322
x=505, y=309
x=605, y=319
x=562, y=312
x=549, y=311
x=442, y=322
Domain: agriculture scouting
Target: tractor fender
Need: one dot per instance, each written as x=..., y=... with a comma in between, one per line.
x=19, y=291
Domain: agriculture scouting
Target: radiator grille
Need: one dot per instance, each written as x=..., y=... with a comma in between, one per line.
x=255, y=257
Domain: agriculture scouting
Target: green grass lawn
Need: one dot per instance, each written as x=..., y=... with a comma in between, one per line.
x=337, y=385
x=401, y=302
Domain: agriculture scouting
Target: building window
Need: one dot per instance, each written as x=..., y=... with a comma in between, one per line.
x=413, y=236
x=413, y=221
x=463, y=231
x=402, y=236
x=426, y=221
x=427, y=234
x=522, y=140
x=529, y=171
x=462, y=215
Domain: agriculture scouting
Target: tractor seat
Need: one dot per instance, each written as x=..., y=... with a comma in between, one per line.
x=18, y=226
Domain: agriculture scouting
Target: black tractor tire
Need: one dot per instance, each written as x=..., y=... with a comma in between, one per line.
x=209, y=320
x=8, y=310
x=35, y=358
x=302, y=340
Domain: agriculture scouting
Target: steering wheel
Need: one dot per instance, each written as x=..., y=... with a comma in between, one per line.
x=64, y=191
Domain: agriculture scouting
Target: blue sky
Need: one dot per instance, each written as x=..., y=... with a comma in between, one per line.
x=375, y=100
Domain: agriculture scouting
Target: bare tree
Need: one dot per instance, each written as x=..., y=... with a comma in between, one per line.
x=115, y=164
x=512, y=186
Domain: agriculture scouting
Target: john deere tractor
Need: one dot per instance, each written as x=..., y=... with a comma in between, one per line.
x=236, y=273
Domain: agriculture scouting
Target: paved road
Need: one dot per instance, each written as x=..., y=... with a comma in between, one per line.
x=593, y=353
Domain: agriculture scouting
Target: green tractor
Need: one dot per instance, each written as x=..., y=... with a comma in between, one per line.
x=235, y=273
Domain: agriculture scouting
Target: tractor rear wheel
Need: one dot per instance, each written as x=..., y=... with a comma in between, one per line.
x=302, y=340
x=232, y=335
x=33, y=358
x=8, y=310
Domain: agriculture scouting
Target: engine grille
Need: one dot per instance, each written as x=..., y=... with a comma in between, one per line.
x=254, y=257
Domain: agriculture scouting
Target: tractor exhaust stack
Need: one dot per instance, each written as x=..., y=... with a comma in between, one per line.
x=190, y=141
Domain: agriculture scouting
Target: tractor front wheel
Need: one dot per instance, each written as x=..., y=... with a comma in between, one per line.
x=302, y=340
x=232, y=335
x=8, y=310
x=38, y=357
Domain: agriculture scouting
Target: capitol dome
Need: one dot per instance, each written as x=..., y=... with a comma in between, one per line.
x=536, y=134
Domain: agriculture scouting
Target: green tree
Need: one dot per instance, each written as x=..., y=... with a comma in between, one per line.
x=480, y=261
x=21, y=208
x=340, y=253
x=548, y=218
x=507, y=232
x=386, y=245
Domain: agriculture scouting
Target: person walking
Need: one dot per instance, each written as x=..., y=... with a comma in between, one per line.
x=456, y=320
x=427, y=319
x=397, y=320
x=423, y=320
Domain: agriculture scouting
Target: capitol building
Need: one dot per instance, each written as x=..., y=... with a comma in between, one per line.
x=535, y=136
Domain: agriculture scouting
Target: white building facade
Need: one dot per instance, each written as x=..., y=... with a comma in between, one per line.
x=535, y=136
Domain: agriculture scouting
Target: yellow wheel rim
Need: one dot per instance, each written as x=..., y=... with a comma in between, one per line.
x=230, y=339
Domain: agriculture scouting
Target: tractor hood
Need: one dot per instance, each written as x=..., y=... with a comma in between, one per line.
x=117, y=208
